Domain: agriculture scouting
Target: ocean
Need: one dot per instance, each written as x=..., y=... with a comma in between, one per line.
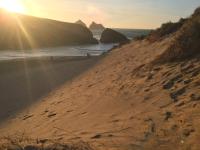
x=81, y=50
x=129, y=33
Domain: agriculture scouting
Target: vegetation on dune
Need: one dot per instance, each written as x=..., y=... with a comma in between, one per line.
x=197, y=11
x=22, y=142
x=166, y=29
x=185, y=43
x=184, y=36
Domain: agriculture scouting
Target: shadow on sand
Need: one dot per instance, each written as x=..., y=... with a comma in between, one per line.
x=24, y=82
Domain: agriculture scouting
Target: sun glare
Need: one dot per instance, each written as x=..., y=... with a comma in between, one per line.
x=12, y=5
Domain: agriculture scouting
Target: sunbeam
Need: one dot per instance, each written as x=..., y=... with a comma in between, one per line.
x=13, y=5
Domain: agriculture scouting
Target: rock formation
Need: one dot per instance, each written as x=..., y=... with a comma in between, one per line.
x=26, y=32
x=81, y=23
x=95, y=26
x=112, y=36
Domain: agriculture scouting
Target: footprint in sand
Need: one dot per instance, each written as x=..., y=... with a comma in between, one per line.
x=84, y=133
x=59, y=102
x=115, y=121
x=51, y=115
x=110, y=135
x=83, y=113
x=27, y=117
x=75, y=138
x=174, y=95
x=69, y=111
x=44, y=112
x=97, y=136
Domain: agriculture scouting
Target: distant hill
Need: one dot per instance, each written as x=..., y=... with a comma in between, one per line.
x=25, y=32
x=95, y=26
x=81, y=23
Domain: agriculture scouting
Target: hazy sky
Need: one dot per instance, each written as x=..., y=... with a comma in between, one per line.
x=113, y=13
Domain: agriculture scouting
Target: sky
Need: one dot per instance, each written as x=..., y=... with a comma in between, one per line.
x=143, y=14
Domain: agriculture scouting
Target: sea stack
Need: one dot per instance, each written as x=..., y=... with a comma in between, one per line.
x=95, y=26
x=26, y=32
x=112, y=36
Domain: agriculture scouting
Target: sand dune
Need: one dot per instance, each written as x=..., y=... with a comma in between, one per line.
x=125, y=104
x=111, y=106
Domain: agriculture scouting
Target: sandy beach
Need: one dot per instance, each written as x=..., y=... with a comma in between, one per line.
x=24, y=81
x=142, y=95
x=122, y=102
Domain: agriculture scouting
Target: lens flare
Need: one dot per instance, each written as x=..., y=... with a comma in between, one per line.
x=12, y=5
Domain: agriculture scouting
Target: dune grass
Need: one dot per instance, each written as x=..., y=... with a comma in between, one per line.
x=23, y=142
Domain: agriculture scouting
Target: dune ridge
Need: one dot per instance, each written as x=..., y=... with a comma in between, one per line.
x=186, y=40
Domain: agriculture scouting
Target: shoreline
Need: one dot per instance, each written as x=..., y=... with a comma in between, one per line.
x=50, y=58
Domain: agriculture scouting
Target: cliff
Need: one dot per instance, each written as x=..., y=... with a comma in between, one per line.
x=80, y=22
x=25, y=32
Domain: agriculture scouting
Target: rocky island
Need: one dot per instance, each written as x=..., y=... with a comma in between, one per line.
x=96, y=26
x=112, y=36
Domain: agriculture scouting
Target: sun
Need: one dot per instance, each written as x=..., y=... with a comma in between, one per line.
x=12, y=5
